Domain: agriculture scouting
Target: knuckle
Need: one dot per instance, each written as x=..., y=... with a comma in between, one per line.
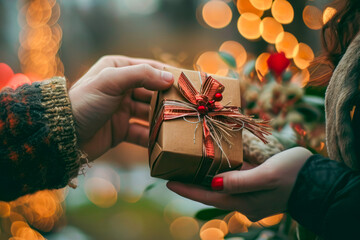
x=106, y=58
x=147, y=70
x=234, y=182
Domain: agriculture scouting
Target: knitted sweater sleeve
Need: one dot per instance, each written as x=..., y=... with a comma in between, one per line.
x=38, y=143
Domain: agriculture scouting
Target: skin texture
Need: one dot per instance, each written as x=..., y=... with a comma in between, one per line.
x=112, y=92
x=256, y=191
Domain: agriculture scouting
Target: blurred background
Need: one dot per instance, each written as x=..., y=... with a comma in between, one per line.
x=117, y=198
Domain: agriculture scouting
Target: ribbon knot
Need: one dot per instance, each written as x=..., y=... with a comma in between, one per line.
x=218, y=122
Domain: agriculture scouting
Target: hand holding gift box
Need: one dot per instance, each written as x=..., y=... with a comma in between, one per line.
x=196, y=128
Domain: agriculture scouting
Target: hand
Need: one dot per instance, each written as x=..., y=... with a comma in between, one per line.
x=114, y=90
x=257, y=192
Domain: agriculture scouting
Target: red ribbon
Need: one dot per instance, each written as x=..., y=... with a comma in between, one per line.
x=206, y=97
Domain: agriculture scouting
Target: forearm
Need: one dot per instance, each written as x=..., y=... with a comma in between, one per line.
x=326, y=198
x=38, y=143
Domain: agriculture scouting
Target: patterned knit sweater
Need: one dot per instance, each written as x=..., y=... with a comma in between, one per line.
x=38, y=142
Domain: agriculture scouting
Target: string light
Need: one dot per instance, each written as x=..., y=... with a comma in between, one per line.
x=249, y=26
x=236, y=50
x=313, y=17
x=40, y=39
x=282, y=11
x=217, y=14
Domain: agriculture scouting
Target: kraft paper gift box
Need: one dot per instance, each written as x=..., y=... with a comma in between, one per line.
x=176, y=148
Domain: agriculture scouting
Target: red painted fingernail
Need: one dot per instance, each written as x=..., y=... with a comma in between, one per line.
x=217, y=183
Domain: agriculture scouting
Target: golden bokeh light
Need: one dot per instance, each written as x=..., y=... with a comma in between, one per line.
x=101, y=192
x=211, y=62
x=303, y=55
x=238, y=223
x=217, y=14
x=40, y=39
x=249, y=26
x=16, y=226
x=4, y=209
x=313, y=17
x=286, y=42
x=328, y=13
x=270, y=29
x=261, y=4
x=236, y=50
x=245, y=6
x=301, y=78
x=282, y=11
x=212, y=234
x=270, y=221
x=184, y=228
x=215, y=223
x=261, y=65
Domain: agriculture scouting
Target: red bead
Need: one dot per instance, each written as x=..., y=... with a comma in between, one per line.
x=218, y=97
x=202, y=109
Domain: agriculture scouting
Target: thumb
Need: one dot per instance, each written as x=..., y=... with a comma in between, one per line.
x=115, y=81
x=244, y=181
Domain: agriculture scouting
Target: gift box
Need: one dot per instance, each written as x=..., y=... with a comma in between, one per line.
x=196, y=128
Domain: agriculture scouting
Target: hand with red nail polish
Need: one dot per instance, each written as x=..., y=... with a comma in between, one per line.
x=256, y=191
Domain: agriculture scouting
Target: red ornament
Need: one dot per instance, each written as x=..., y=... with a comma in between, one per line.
x=202, y=109
x=218, y=97
x=278, y=63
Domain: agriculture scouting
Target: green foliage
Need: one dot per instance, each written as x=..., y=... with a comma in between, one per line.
x=210, y=213
x=228, y=59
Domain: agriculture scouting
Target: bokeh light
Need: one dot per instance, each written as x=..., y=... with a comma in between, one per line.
x=301, y=78
x=212, y=234
x=329, y=12
x=40, y=39
x=245, y=6
x=313, y=17
x=261, y=4
x=303, y=55
x=101, y=192
x=211, y=62
x=261, y=65
x=215, y=223
x=4, y=209
x=238, y=223
x=286, y=42
x=270, y=221
x=217, y=14
x=184, y=228
x=236, y=50
x=270, y=29
x=249, y=26
x=282, y=11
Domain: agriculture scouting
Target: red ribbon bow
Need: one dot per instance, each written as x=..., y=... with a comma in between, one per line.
x=216, y=119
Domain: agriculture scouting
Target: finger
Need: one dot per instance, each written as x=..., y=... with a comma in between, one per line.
x=245, y=181
x=121, y=61
x=138, y=135
x=140, y=110
x=142, y=94
x=116, y=81
x=247, y=166
x=217, y=199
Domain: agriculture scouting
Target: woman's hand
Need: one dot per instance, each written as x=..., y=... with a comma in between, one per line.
x=114, y=90
x=257, y=192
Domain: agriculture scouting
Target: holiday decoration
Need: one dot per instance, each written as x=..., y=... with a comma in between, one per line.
x=198, y=101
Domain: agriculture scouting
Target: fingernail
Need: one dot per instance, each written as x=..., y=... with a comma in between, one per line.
x=166, y=76
x=217, y=183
